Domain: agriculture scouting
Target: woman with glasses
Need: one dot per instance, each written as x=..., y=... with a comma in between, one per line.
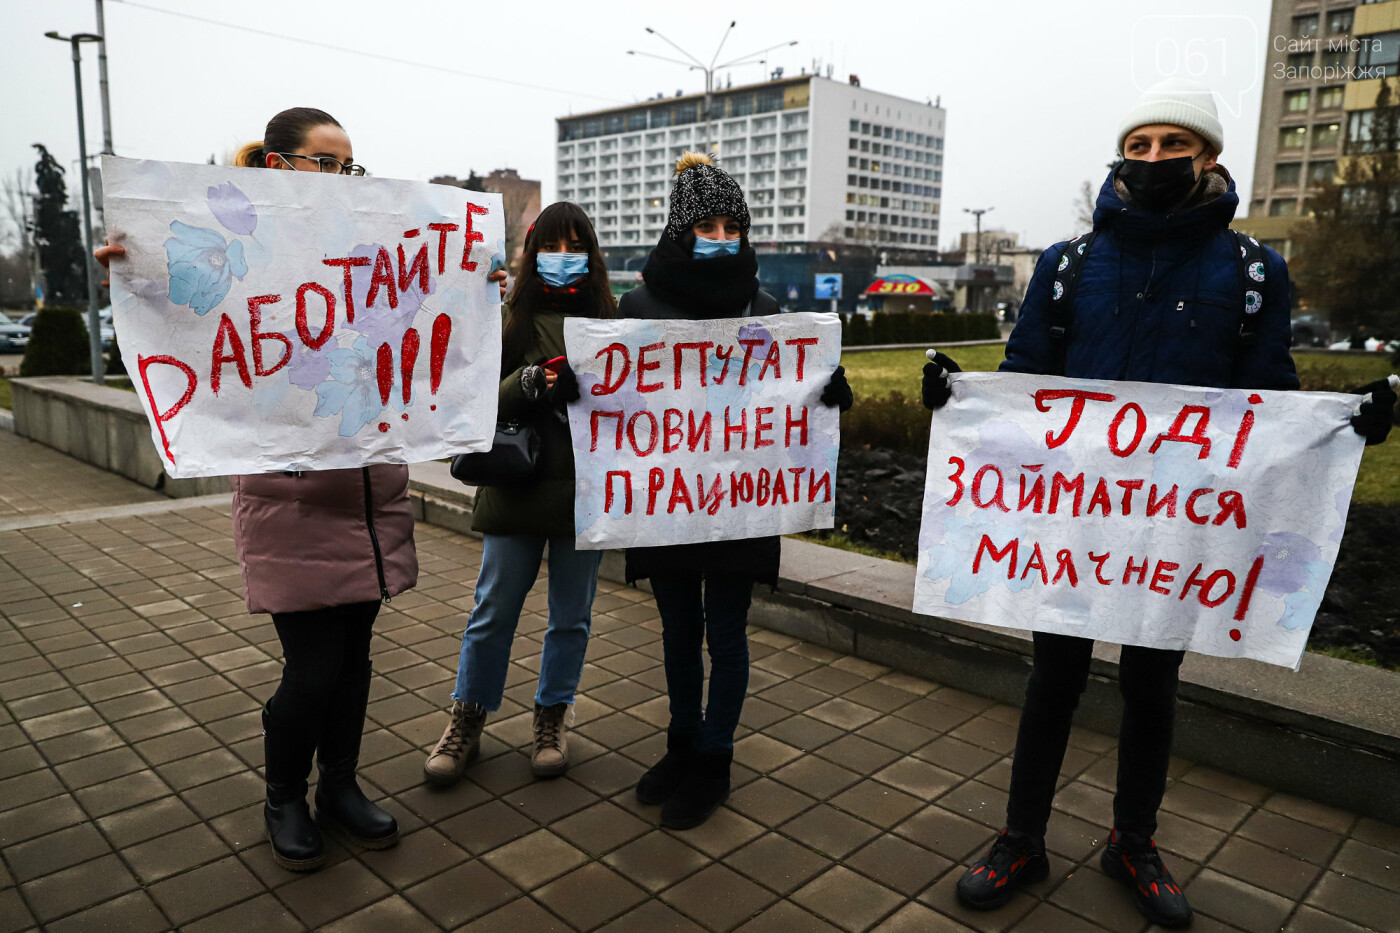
x=323, y=600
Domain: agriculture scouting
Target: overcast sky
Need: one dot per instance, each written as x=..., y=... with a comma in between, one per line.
x=1034, y=90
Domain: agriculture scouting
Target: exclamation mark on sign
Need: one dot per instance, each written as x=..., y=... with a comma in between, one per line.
x=386, y=373
x=408, y=357
x=437, y=352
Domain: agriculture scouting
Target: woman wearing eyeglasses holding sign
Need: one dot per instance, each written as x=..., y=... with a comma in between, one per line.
x=323, y=601
x=562, y=275
x=703, y=267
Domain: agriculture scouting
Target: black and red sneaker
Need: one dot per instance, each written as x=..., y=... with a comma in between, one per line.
x=1133, y=860
x=1014, y=860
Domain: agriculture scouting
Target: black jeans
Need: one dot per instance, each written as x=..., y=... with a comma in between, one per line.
x=718, y=617
x=1147, y=679
x=327, y=666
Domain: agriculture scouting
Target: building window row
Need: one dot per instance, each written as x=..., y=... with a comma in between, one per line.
x=1324, y=136
x=896, y=152
x=671, y=113
x=1329, y=98
x=1290, y=174
x=865, y=128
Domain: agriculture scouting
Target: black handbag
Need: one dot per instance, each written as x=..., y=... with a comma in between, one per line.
x=512, y=459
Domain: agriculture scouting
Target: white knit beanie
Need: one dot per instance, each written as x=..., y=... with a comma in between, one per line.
x=1179, y=102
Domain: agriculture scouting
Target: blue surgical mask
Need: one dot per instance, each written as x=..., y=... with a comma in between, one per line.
x=706, y=248
x=560, y=269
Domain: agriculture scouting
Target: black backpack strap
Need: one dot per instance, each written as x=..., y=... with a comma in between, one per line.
x=1253, y=270
x=1067, y=269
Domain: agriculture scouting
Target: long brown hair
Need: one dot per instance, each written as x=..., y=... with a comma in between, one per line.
x=562, y=220
x=285, y=133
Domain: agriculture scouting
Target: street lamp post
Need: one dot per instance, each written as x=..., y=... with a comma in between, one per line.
x=102, y=82
x=977, y=213
x=709, y=70
x=94, y=324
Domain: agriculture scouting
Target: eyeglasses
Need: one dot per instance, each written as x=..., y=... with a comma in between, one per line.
x=325, y=164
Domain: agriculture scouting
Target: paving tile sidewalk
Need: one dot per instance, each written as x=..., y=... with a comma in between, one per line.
x=130, y=795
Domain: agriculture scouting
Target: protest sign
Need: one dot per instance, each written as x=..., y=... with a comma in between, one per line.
x=1164, y=516
x=693, y=431
x=276, y=320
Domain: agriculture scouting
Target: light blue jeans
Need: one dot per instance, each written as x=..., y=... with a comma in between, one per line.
x=509, y=566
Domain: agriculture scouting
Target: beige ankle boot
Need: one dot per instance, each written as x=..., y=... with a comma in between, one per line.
x=459, y=745
x=551, y=757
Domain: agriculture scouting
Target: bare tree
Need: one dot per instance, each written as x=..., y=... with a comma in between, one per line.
x=514, y=202
x=1084, y=207
x=1346, y=253
x=15, y=236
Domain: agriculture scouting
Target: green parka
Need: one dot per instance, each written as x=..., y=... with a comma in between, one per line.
x=544, y=506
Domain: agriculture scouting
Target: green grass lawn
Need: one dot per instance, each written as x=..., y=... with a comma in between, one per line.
x=881, y=371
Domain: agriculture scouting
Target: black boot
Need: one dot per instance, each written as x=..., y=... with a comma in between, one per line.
x=702, y=789
x=296, y=840
x=339, y=801
x=662, y=779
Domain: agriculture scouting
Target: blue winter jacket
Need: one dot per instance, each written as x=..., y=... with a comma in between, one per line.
x=1160, y=299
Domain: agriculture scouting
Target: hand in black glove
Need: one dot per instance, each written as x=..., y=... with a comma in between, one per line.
x=937, y=387
x=565, y=388
x=837, y=393
x=1376, y=413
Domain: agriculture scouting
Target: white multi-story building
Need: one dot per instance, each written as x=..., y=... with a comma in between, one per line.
x=819, y=161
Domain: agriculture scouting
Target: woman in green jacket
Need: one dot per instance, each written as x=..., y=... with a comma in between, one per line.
x=562, y=275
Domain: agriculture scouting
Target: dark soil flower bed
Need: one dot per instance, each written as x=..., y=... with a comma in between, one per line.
x=880, y=496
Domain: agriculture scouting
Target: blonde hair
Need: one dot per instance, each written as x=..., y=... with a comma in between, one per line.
x=251, y=155
x=691, y=160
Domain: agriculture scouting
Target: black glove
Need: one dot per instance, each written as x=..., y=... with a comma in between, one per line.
x=565, y=388
x=937, y=388
x=838, y=393
x=1375, y=414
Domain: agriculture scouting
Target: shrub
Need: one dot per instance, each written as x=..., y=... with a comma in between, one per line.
x=901, y=327
x=895, y=421
x=115, y=366
x=58, y=345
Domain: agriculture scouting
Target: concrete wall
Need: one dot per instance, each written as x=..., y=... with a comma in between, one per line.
x=99, y=425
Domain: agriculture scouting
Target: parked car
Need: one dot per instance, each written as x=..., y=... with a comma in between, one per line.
x=14, y=335
x=104, y=317
x=104, y=326
x=1311, y=330
x=1373, y=344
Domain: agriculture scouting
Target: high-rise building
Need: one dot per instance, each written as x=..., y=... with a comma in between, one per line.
x=1326, y=61
x=820, y=161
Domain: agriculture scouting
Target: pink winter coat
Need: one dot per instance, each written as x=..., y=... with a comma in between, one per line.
x=325, y=538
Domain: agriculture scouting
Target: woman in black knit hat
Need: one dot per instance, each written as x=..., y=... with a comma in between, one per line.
x=704, y=267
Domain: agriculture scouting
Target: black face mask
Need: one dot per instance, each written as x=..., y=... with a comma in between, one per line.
x=1161, y=185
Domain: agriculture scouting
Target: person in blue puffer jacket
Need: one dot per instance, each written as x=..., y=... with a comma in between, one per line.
x=1161, y=296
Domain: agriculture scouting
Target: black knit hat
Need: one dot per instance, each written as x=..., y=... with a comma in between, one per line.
x=702, y=190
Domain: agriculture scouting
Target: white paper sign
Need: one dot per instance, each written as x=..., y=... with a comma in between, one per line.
x=275, y=320
x=1164, y=516
x=693, y=431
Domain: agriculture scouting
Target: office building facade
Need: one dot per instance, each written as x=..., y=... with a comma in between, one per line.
x=1326, y=61
x=820, y=161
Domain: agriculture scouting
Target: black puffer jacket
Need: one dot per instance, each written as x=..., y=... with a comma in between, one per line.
x=678, y=287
